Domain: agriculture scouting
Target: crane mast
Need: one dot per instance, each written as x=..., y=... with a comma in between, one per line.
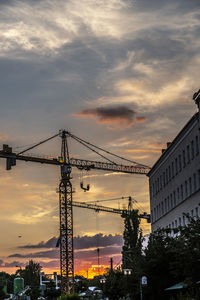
x=65, y=191
x=66, y=220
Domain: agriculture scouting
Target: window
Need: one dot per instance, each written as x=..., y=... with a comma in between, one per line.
x=181, y=192
x=158, y=184
x=164, y=178
x=162, y=208
x=169, y=173
x=180, y=163
x=179, y=221
x=176, y=166
x=159, y=210
x=165, y=205
x=186, y=189
x=175, y=223
x=192, y=149
x=172, y=225
x=183, y=220
x=197, y=144
x=190, y=185
x=184, y=158
x=192, y=213
x=195, y=182
x=168, y=204
x=172, y=169
x=197, y=211
x=154, y=214
x=171, y=201
x=188, y=153
x=153, y=189
x=178, y=194
x=174, y=194
x=160, y=181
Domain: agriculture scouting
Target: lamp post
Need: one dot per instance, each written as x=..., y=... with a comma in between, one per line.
x=102, y=282
x=127, y=272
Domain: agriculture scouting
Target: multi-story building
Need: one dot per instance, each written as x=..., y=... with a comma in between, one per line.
x=174, y=180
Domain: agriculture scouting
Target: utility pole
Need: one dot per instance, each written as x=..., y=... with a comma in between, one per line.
x=111, y=264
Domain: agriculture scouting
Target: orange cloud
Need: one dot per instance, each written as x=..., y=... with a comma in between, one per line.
x=157, y=145
x=143, y=150
x=121, y=116
x=3, y=138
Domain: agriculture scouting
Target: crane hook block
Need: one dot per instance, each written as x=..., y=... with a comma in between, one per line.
x=84, y=188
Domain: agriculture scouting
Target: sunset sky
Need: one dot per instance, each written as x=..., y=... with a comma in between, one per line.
x=119, y=74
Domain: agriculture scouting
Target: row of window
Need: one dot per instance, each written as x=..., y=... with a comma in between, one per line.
x=183, y=191
x=183, y=221
x=175, y=167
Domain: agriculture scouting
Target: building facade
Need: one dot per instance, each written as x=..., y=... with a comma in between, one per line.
x=174, y=180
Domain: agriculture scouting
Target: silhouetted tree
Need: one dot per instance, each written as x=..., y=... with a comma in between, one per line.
x=31, y=275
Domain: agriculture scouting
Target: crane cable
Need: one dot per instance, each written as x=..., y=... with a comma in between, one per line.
x=85, y=144
x=42, y=142
x=108, y=152
x=107, y=200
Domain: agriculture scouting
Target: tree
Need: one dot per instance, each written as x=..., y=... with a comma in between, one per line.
x=115, y=285
x=133, y=238
x=132, y=253
x=51, y=292
x=173, y=256
x=31, y=275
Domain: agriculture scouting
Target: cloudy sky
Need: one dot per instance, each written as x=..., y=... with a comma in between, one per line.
x=120, y=74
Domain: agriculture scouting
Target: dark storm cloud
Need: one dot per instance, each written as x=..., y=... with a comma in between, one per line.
x=19, y=264
x=79, y=254
x=51, y=243
x=84, y=242
x=11, y=264
x=120, y=115
x=84, y=247
x=106, y=251
x=43, y=254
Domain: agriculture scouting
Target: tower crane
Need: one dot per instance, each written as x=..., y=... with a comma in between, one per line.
x=65, y=188
x=127, y=214
x=122, y=212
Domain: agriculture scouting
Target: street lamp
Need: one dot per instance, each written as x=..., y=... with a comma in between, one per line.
x=102, y=280
x=127, y=271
